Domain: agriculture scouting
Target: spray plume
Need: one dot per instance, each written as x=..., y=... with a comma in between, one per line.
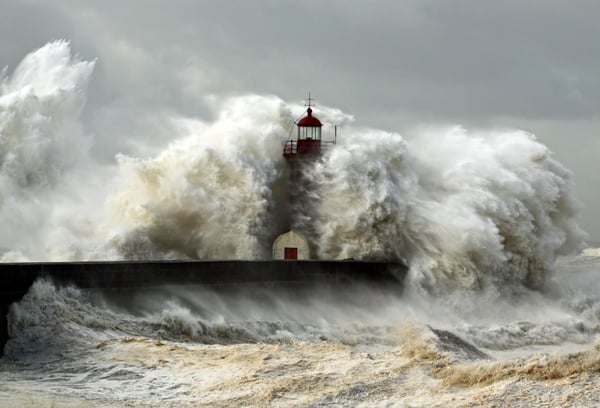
x=462, y=208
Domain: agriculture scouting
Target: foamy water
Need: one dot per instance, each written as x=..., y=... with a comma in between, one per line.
x=487, y=315
x=362, y=346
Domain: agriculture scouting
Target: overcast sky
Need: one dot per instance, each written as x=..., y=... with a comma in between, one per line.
x=393, y=64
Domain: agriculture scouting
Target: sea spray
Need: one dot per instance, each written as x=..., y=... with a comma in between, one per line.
x=209, y=194
x=42, y=146
x=465, y=209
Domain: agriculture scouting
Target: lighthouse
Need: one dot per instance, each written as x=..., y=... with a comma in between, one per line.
x=301, y=151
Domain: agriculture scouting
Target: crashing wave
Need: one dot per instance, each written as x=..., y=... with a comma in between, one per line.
x=462, y=208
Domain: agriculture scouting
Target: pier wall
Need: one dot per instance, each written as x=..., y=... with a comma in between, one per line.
x=18, y=277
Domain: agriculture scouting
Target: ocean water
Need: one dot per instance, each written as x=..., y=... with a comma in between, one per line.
x=190, y=346
x=495, y=310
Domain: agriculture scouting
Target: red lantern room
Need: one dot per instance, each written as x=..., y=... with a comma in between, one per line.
x=308, y=140
x=309, y=127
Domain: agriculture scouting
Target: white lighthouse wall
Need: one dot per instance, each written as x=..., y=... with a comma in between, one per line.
x=291, y=239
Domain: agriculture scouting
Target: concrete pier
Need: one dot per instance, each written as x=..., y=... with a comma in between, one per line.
x=18, y=277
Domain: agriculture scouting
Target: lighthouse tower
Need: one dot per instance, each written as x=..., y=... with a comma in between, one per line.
x=301, y=152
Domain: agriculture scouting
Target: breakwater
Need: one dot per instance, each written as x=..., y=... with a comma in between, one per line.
x=137, y=275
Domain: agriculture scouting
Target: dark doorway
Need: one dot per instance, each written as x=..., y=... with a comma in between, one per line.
x=290, y=253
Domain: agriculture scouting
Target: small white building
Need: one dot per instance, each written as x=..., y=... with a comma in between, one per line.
x=290, y=245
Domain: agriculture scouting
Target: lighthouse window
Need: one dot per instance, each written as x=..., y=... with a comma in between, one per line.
x=309, y=133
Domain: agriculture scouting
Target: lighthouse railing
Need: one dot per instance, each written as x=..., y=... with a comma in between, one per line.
x=290, y=148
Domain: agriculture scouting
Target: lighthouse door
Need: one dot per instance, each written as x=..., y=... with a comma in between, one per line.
x=290, y=253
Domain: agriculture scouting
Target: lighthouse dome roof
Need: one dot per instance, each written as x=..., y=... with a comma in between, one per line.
x=309, y=120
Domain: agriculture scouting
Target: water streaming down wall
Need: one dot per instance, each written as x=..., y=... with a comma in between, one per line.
x=463, y=208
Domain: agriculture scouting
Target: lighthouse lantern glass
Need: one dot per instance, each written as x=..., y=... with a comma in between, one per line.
x=309, y=132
